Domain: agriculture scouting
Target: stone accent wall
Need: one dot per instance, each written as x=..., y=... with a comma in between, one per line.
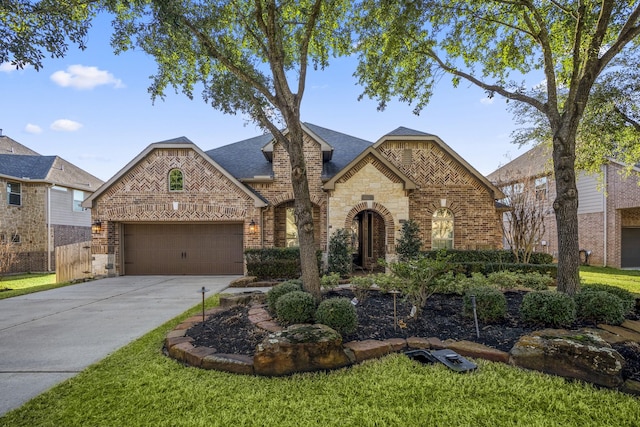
x=279, y=191
x=142, y=195
x=385, y=194
x=28, y=221
x=443, y=182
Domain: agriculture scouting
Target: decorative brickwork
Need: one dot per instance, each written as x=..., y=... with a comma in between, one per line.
x=443, y=182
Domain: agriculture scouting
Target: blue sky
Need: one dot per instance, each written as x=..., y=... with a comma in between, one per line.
x=92, y=108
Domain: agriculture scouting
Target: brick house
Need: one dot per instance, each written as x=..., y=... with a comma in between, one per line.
x=176, y=209
x=608, y=207
x=41, y=205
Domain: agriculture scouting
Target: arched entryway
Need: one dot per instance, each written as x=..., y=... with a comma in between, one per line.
x=373, y=234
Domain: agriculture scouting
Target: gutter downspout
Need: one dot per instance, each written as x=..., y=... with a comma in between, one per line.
x=606, y=225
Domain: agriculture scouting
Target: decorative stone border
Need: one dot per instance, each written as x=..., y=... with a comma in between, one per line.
x=180, y=347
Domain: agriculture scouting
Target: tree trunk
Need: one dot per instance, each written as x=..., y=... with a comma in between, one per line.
x=566, y=209
x=303, y=211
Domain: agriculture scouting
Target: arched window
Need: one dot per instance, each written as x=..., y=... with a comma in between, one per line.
x=176, y=180
x=442, y=229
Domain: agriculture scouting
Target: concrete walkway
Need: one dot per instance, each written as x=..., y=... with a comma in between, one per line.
x=48, y=337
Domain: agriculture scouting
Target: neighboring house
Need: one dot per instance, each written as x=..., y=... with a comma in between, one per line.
x=176, y=209
x=608, y=207
x=41, y=206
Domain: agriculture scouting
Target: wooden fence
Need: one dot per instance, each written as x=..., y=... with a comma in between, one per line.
x=73, y=262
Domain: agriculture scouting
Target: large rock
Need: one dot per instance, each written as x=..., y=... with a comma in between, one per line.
x=300, y=348
x=578, y=354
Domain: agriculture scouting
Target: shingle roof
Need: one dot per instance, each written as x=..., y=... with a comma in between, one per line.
x=403, y=131
x=244, y=159
x=26, y=166
x=10, y=146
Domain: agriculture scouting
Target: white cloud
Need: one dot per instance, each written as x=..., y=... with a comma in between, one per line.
x=31, y=128
x=6, y=67
x=65, y=125
x=487, y=100
x=83, y=77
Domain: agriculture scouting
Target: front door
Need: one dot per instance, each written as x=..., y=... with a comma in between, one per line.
x=369, y=240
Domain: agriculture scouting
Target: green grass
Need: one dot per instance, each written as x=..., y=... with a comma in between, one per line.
x=626, y=279
x=27, y=283
x=138, y=386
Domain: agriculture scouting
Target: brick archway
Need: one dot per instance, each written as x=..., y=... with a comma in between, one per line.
x=384, y=213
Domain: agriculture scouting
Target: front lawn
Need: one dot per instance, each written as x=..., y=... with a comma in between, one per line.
x=626, y=279
x=139, y=386
x=11, y=286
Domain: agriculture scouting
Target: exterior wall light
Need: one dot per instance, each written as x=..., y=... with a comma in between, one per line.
x=96, y=227
x=252, y=227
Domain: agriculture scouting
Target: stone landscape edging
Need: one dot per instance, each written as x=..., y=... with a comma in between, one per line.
x=179, y=346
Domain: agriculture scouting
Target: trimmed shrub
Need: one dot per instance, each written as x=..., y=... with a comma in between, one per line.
x=488, y=256
x=409, y=244
x=536, y=281
x=339, y=259
x=278, y=290
x=504, y=279
x=627, y=299
x=330, y=281
x=295, y=307
x=549, y=308
x=599, y=307
x=339, y=314
x=451, y=283
x=387, y=282
x=491, y=304
x=275, y=263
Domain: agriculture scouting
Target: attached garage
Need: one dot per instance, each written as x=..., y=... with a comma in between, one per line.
x=175, y=249
x=630, y=248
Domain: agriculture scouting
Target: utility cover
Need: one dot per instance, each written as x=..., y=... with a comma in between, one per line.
x=449, y=358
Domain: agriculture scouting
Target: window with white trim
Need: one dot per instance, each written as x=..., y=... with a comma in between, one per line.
x=14, y=193
x=78, y=198
x=541, y=188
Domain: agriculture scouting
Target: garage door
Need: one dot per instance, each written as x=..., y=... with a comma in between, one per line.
x=196, y=249
x=630, y=247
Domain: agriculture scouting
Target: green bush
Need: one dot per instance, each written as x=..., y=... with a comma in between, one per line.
x=504, y=279
x=386, y=282
x=417, y=278
x=452, y=283
x=340, y=260
x=491, y=304
x=469, y=268
x=295, y=307
x=599, y=307
x=330, y=281
x=339, y=314
x=409, y=244
x=488, y=256
x=277, y=291
x=361, y=285
x=550, y=308
x=275, y=263
x=627, y=299
x=536, y=281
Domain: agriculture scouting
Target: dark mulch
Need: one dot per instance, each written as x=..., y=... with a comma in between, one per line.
x=232, y=332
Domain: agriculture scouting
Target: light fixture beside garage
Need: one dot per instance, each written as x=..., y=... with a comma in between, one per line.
x=96, y=227
x=252, y=227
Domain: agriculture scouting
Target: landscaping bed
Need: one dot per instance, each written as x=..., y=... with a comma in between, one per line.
x=231, y=331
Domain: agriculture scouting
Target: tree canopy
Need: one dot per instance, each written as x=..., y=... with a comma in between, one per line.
x=247, y=57
x=29, y=30
x=406, y=47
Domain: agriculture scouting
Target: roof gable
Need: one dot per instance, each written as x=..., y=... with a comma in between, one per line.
x=533, y=163
x=181, y=143
x=379, y=162
x=10, y=146
x=405, y=134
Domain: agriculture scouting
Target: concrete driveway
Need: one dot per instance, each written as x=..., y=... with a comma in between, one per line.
x=47, y=337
